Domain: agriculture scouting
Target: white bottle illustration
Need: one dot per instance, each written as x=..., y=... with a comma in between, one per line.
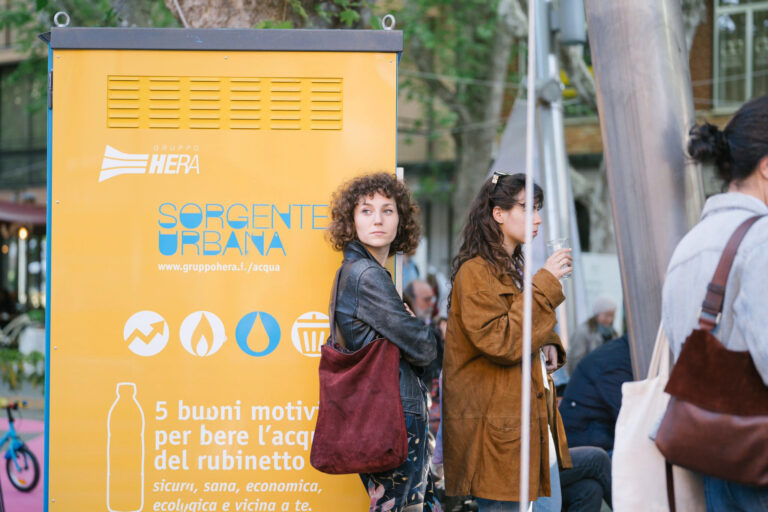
x=125, y=452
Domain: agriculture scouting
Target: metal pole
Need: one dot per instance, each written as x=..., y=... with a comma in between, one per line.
x=553, y=158
x=548, y=88
x=645, y=102
x=567, y=310
x=525, y=413
x=400, y=173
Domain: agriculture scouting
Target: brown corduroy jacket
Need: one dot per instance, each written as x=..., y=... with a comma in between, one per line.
x=482, y=392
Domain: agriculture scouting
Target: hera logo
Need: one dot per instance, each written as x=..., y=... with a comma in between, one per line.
x=116, y=162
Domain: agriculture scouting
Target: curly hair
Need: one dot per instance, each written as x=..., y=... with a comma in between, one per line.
x=342, y=228
x=482, y=235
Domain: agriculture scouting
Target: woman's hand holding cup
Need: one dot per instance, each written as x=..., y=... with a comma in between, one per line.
x=560, y=263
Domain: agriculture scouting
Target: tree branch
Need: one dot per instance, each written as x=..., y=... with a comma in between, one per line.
x=694, y=14
x=579, y=74
x=511, y=22
x=515, y=18
x=424, y=59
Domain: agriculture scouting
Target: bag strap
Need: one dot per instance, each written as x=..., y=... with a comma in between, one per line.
x=660, y=357
x=670, y=487
x=335, y=335
x=712, y=307
x=709, y=316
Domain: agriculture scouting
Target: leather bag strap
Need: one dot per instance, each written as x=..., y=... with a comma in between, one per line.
x=670, y=487
x=712, y=306
x=335, y=335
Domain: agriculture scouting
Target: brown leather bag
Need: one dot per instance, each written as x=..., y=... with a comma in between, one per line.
x=716, y=421
x=360, y=424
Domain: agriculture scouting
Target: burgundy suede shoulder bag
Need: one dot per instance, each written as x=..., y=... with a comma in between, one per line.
x=716, y=421
x=360, y=423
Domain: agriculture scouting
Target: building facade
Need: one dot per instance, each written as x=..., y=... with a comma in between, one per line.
x=728, y=62
x=728, y=65
x=22, y=183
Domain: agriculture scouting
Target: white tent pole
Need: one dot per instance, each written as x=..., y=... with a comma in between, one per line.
x=525, y=415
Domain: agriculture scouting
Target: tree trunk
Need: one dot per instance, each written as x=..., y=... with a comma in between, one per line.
x=579, y=74
x=476, y=138
x=230, y=13
x=249, y=13
x=473, y=160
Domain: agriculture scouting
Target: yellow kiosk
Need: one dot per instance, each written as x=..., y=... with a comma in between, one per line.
x=189, y=176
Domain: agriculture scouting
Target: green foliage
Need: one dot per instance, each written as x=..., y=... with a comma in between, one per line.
x=27, y=23
x=275, y=24
x=349, y=17
x=16, y=368
x=298, y=9
x=436, y=186
x=452, y=41
x=36, y=361
x=332, y=13
x=37, y=315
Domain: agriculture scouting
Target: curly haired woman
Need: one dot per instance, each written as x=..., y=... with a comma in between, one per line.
x=372, y=217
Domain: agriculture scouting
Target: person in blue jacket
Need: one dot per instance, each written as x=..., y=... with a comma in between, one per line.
x=592, y=397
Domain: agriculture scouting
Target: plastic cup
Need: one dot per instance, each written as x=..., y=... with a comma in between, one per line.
x=555, y=245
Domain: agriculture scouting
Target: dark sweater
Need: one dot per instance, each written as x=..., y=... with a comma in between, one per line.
x=592, y=398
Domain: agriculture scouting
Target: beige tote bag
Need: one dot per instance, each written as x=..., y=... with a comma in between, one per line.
x=639, y=481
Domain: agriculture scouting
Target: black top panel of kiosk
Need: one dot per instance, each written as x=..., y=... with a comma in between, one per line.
x=227, y=39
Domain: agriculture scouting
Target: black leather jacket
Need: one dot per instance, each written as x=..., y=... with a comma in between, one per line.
x=368, y=307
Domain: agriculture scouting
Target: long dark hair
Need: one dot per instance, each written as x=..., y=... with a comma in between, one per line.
x=482, y=236
x=738, y=148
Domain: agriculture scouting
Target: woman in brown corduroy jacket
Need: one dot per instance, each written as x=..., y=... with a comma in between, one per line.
x=482, y=364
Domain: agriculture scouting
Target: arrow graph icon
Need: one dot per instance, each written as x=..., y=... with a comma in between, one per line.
x=157, y=328
x=146, y=333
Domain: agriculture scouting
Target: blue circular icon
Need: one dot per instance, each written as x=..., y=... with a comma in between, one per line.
x=245, y=326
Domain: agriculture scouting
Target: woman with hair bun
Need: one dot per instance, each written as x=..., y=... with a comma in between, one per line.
x=740, y=155
x=372, y=217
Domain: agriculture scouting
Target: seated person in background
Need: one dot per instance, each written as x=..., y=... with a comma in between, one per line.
x=588, y=482
x=592, y=333
x=592, y=398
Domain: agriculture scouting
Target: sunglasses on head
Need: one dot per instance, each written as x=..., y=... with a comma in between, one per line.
x=496, y=177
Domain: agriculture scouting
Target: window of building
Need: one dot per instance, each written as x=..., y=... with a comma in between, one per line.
x=741, y=51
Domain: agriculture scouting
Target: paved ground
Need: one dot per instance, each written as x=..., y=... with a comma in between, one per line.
x=17, y=501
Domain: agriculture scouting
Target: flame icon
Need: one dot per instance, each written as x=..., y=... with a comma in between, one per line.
x=202, y=334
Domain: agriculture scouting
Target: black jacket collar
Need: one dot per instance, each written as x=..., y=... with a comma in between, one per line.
x=355, y=251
